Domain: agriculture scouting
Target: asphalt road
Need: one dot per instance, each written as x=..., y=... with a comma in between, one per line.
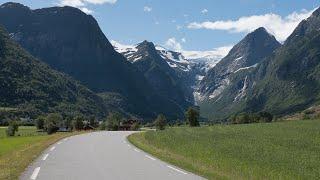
x=101, y=155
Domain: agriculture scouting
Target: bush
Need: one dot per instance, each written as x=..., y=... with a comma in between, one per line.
x=12, y=128
x=192, y=116
x=245, y=118
x=160, y=122
x=135, y=126
x=78, y=123
x=265, y=117
x=103, y=126
x=40, y=122
x=51, y=123
x=113, y=121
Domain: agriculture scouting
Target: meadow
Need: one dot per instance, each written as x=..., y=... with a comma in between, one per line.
x=281, y=150
x=16, y=153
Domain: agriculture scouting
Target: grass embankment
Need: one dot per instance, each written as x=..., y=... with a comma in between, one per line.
x=284, y=150
x=16, y=153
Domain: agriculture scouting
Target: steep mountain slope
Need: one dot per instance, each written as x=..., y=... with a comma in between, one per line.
x=188, y=71
x=34, y=88
x=290, y=80
x=163, y=78
x=247, y=53
x=285, y=82
x=71, y=41
x=227, y=81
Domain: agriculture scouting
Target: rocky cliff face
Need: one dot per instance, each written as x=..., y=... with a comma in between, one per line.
x=71, y=41
x=285, y=82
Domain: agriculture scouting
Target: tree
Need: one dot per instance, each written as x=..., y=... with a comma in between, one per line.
x=12, y=128
x=192, y=116
x=135, y=126
x=93, y=122
x=160, y=122
x=103, y=126
x=265, y=116
x=78, y=123
x=113, y=121
x=51, y=124
x=40, y=122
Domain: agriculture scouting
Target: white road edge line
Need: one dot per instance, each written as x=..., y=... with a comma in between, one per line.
x=51, y=149
x=150, y=157
x=35, y=173
x=45, y=157
x=177, y=170
x=136, y=150
x=59, y=143
x=129, y=145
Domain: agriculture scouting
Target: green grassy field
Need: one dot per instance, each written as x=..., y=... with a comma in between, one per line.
x=16, y=153
x=283, y=150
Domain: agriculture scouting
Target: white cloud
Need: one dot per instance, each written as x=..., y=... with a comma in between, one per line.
x=74, y=3
x=178, y=27
x=280, y=27
x=172, y=43
x=86, y=10
x=216, y=53
x=81, y=4
x=147, y=9
x=100, y=1
x=204, y=11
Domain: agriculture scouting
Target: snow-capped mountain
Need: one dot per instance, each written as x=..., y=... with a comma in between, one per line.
x=184, y=60
x=189, y=66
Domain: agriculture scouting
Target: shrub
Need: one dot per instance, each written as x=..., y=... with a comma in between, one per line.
x=12, y=128
x=160, y=122
x=103, y=126
x=40, y=122
x=51, y=123
x=192, y=116
x=78, y=123
x=245, y=118
x=135, y=126
x=113, y=121
x=265, y=117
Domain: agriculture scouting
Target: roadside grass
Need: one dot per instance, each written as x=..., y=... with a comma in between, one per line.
x=16, y=153
x=283, y=150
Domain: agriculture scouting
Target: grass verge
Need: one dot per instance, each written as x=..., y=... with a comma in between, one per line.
x=284, y=150
x=16, y=153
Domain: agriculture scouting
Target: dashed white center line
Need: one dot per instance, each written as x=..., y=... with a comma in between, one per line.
x=150, y=157
x=45, y=157
x=51, y=149
x=177, y=170
x=129, y=145
x=35, y=173
x=136, y=150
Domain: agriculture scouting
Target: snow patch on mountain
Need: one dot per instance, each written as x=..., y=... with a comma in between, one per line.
x=245, y=68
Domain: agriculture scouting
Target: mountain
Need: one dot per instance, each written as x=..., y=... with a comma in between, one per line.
x=71, y=41
x=189, y=66
x=244, y=56
x=285, y=82
x=289, y=81
x=162, y=77
x=34, y=88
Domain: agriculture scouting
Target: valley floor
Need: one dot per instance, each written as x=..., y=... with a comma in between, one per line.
x=282, y=150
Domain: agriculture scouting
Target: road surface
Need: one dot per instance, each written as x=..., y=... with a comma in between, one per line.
x=100, y=155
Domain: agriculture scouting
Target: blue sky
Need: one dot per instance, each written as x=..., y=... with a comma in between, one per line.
x=189, y=24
